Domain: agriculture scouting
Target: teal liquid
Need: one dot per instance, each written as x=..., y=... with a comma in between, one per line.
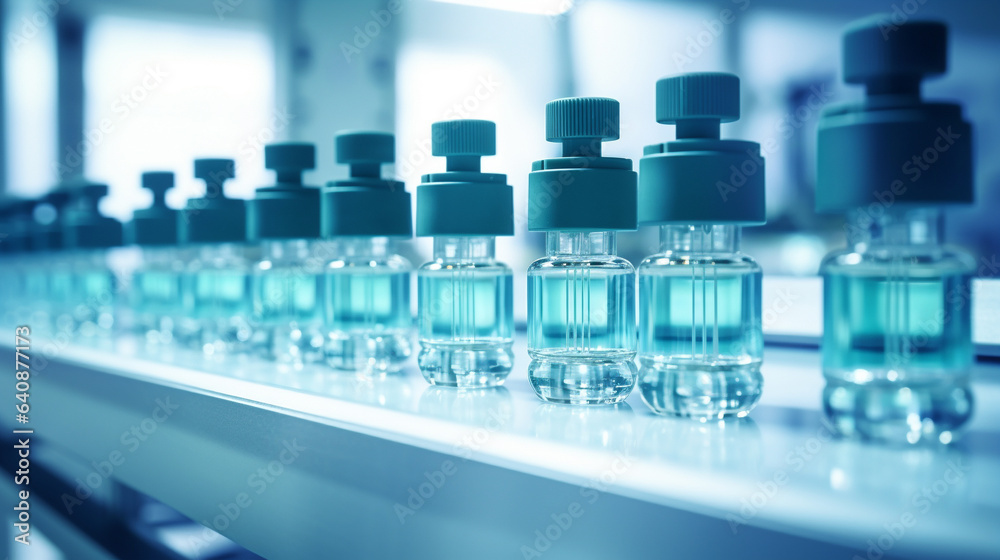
x=915, y=329
x=156, y=301
x=220, y=304
x=897, y=352
x=92, y=300
x=700, y=337
x=466, y=324
x=581, y=330
x=287, y=313
x=367, y=318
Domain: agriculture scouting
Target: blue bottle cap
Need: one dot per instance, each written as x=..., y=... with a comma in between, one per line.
x=156, y=225
x=582, y=191
x=464, y=201
x=48, y=237
x=289, y=209
x=83, y=226
x=698, y=178
x=366, y=204
x=893, y=147
x=213, y=218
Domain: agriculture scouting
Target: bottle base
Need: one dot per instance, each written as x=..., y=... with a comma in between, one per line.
x=465, y=365
x=896, y=412
x=699, y=389
x=582, y=379
x=289, y=344
x=367, y=351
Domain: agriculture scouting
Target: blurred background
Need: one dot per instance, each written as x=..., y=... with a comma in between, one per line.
x=110, y=88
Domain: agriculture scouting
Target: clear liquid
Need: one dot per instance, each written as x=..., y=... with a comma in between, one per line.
x=156, y=301
x=368, y=318
x=897, y=349
x=466, y=324
x=287, y=315
x=581, y=329
x=700, y=336
x=221, y=305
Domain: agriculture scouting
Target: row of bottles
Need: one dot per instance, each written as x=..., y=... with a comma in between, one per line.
x=302, y=274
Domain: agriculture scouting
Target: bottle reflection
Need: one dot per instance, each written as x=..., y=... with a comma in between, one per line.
x=484, y=406
x=606, y=427
x=733, y=444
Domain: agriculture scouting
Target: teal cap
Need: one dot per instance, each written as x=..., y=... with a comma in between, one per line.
x=463, y=200
x=289, y=209
x=699, y=178
x=893, y=147
x=365, y=204
x=582, y=191
x=213, y=218
x=16, y=224
x=48, y=236
x=83, y=226
x=156, y=225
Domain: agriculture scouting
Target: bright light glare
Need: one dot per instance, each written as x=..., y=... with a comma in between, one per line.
x=161, y=93
x=542, y=7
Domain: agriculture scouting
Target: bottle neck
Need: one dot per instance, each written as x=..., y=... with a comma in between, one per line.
x=464, y=249
x=285, y=249
x=895, y=228
x=580, y=243
x=700, y=238
x=373, y=247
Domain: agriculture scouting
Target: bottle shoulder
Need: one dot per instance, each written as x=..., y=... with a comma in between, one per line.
x=944, y=258
x=391, y=263
x=603, y=262
x=478, y=266
x=735, y=261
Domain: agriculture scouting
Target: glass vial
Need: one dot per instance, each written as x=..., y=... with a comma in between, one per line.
x=465, y=303
x=701, y=341
x=700, y=337
x=287, y=282
x=465, y=315
x=217, y=287
x=897, y=340
x=581, y=295
x=581, y=320
x=368, y=320
x=897, y=335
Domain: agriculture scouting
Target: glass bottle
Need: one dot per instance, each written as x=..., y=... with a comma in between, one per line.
x=217, y=285
x=88, y=290
x=465, y=296
x=368, y=318
x=897, y=340
x=155, y=290
x=581, y=296
x=701, y=338
x=286, y=283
